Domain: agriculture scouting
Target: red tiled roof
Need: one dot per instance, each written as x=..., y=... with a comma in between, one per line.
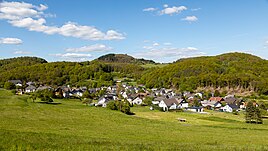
x=216, y=99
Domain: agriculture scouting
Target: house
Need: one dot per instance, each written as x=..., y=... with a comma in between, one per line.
x=229, y=108
x=232, y=100
x=16, y=82
x=183, y=103
x=169, y=104
x=104, y=100
x=30, y=83
x=66, y=91
x=137, y=101
x=217, y=99
x=196, y=109
x=124, y=95
x=41, y=88
x=77, y=93
x=158, y=100
x=200, y=95
x=30, y=89
x=217, y=105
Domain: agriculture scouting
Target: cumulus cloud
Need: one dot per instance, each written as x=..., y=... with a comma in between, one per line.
x=73, y=56
x=156, y=44
x=195, y=9
x=167, y=52
x=172, y=10
x=91, y=48
x=22, y=52
x=167, y=10
x=150, y=9
x=31, y=17
x=10, y=41
x=190, y=18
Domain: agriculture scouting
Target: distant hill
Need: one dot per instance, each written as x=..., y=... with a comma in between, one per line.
x=90, y=73
x=123, y=58
x=227, y=70
x=7, y=64
x=230, y=70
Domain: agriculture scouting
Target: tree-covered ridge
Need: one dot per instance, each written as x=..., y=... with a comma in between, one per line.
x=227, y=70
x=123, y=58
x=93, y=74
x=7, y=64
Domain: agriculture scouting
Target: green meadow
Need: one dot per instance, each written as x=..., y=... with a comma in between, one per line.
x=70, y=125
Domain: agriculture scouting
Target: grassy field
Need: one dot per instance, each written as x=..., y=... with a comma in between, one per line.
x=25, y=125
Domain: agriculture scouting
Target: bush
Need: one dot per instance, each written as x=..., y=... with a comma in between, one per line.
x=235, y=112
x=112, y=105
x=9, y=86
x=122, y=106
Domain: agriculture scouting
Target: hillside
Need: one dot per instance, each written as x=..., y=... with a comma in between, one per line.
x=123, y=58
x=232, y=70
x=6, y=64
x=92, y=74
x=70, y=125
x=226, y=70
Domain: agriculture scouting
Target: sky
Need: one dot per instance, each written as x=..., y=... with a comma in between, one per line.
x=161, y=30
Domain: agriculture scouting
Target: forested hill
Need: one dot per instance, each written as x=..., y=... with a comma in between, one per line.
x=226, y=70
x=7, y=64
x=123, y=58
x=231, y=69
x=90, y=73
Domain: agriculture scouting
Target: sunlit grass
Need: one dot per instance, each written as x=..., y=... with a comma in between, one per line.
x=25, y=125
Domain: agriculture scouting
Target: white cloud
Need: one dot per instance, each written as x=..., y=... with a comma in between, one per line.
x=10, y=41
x=151, y=9
x=172, y=10
x=73, y=56
x=190, y=18
x=191, y=49
x=42, y=7
x=165, y=5
x=168, y=53
x=25, y=15
x=91, y=48
x=167, y=43
x=22, y=52
x=156, y=44
x=195, y=9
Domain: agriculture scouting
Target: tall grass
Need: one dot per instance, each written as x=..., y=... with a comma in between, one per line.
x=25, y=125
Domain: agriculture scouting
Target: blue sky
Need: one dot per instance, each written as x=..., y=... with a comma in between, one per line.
x=162, y=30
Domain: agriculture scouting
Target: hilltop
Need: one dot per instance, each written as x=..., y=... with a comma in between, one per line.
x=123, y=58
x=232, y=70
x=227, y=70
x=6, y=64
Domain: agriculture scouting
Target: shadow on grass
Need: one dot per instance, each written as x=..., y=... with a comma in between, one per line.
x=52, y=103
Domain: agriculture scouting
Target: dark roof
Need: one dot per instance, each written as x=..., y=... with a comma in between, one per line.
x=233, y=106
x=182, y=101
x=171, y=101
x=30, y=87
x=159, y=99
x=15, y=81
x=44, y=88
x=231, y=100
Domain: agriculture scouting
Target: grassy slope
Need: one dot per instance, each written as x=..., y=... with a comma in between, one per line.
x=72, y=126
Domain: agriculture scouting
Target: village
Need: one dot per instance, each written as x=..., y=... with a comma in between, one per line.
x=162, y=99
